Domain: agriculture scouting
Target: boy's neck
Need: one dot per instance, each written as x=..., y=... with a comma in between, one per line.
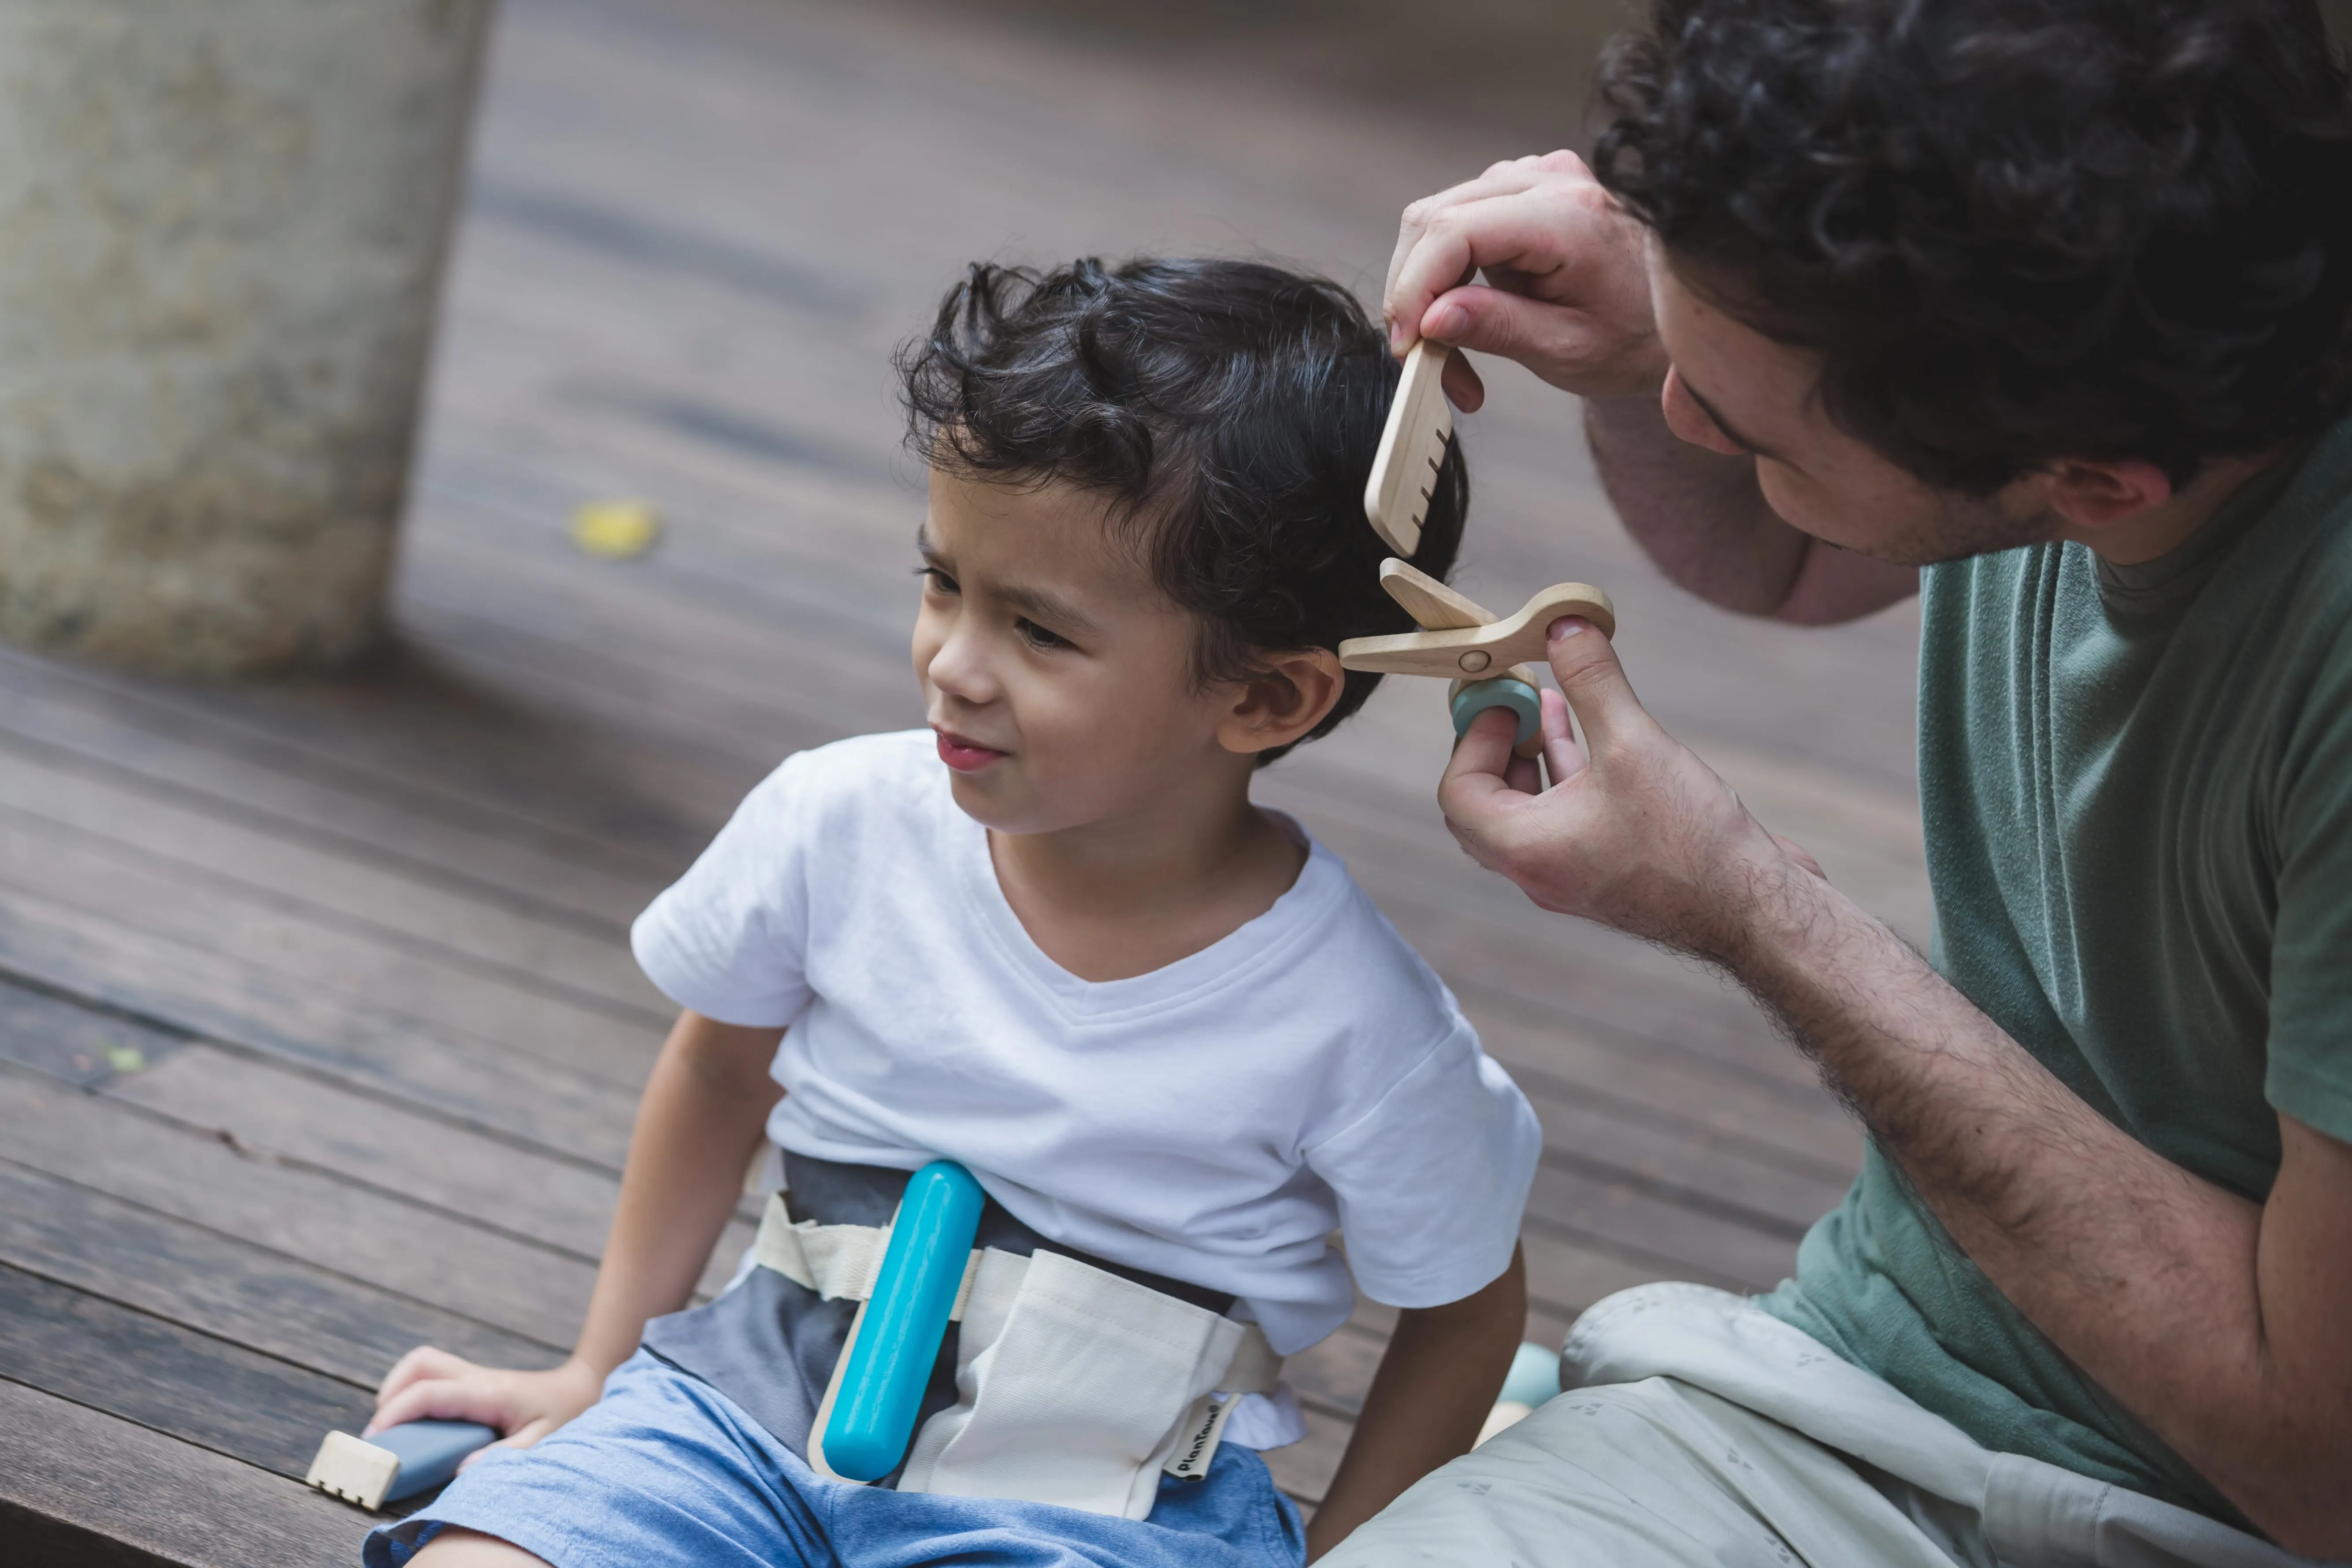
x=1122, y=897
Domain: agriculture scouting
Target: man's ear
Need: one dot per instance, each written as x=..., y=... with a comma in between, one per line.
x=2094, y=495
x=1286, y=698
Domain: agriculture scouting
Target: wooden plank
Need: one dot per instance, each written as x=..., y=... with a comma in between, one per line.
x=447, y=926
x=1688, y=1165
x=1685, y=1242
x=232, y=1289
x=417, y=1159
x=404, y=728
x=78, y=1486
x=201, y=1390
x=281, y=789
x=274, y=945
x=412, y=726
x=1305, y=1469
x=551, y=1103
x=361, y=1235
x=1335, y=1374
x=1568, y=1270
x=73, y=1042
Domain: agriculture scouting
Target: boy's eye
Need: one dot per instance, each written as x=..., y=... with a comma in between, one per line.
x=1038, y=636
x=933, y=578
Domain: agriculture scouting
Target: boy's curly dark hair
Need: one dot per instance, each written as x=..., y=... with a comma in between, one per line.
x=2016, y=230
x=1228, y=411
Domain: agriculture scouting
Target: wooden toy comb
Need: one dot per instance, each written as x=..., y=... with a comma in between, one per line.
x=1413, y=445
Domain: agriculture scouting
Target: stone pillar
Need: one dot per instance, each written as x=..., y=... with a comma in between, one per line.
x=222, y=224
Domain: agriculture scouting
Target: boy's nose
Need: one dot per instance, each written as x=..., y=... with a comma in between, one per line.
x=959, y=669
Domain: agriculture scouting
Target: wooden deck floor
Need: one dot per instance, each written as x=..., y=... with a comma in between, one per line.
x=320, y=1034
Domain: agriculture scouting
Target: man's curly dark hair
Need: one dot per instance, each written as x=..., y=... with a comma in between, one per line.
x=1226, y=412
x=2016, y=230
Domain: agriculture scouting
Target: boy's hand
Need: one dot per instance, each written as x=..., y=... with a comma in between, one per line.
x=433, y=1384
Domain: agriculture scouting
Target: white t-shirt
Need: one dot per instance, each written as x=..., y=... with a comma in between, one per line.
x=1213, y=1121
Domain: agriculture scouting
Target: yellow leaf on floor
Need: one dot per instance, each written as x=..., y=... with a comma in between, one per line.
x=615, y=529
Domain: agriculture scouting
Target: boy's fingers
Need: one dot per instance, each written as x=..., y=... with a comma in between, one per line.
x=443, y=1399
x=424, y=1361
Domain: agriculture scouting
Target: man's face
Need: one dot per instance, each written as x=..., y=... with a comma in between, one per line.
x=1733, y=390
x=1058, y=678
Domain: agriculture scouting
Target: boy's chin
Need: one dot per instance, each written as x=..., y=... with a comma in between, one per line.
x=995, y=799
x=1002, y=801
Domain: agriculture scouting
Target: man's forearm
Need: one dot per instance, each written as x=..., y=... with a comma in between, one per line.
x=1696, y=513
x=2144, y=1275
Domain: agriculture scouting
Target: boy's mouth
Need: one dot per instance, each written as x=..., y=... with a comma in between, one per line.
x=965, y=757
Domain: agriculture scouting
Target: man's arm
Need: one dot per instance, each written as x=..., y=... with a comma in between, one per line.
x=2218, y=1323
x=1702, y=518
x=1437, y=1381
x=1566, y=293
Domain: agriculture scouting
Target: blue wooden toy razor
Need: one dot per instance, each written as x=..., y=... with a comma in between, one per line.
x=397, y=1462
x=896, y=1337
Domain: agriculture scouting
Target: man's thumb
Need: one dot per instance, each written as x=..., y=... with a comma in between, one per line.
x=1490, y=320
x=1590, y=677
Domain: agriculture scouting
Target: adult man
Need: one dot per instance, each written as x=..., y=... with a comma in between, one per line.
x=2050, y=298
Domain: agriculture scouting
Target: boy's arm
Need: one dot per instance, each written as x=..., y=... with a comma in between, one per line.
x=1439, y=1378
x=697, y=1124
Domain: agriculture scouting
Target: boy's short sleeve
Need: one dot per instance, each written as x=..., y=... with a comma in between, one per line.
x=1433, y=1179
x=728, y=940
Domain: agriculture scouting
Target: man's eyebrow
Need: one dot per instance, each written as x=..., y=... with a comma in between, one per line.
x=1758, y=447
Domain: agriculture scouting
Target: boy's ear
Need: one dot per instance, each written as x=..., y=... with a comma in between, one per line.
x=1286, y=698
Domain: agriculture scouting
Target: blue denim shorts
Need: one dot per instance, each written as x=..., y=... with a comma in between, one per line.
x=665, y=1470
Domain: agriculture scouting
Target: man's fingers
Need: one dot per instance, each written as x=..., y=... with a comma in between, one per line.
x=1508, y=325
x=1477, y=779
x=1464, y=387
x=1563, y=759
x=1525, y=774
x=1500, y=180
x=1594, y=682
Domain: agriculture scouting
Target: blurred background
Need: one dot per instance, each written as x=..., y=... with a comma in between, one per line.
x=319, y=1034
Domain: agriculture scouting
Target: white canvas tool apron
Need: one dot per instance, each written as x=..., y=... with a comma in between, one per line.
x=1074, y=1386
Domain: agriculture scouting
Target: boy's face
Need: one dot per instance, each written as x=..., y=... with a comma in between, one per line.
x=1056, y=676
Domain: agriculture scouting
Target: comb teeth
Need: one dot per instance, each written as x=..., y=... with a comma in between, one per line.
x=1413, y=449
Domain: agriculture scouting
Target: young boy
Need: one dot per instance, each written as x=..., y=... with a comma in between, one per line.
x=1052, y=940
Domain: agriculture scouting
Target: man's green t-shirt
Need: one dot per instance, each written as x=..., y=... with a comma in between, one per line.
x=2137, y=783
